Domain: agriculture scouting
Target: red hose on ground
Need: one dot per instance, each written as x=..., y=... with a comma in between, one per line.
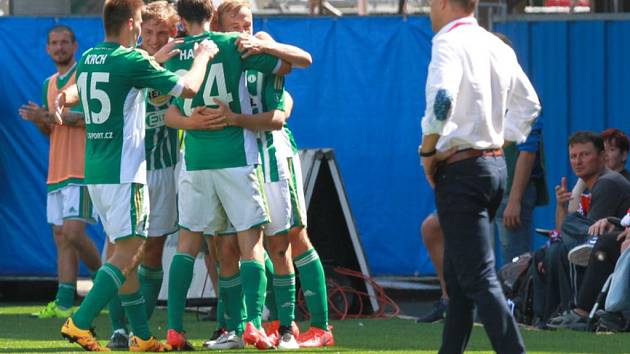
x=339, y=296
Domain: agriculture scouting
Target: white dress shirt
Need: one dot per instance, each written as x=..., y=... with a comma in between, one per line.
x=474, y=78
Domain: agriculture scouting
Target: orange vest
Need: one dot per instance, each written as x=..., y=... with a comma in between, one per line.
x=66, y=158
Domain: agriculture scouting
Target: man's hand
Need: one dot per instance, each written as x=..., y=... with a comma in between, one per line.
x=206, y=47
x=600, y=227
x=60, y=105
x=168, y=51
x=249, y=45
x=431, y=163
x=201, y=120
x=222, y=113
x=512, y=215
x=33, y=112
x=563, y=196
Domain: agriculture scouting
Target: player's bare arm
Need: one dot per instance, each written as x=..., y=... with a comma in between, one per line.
x=204, y=52
x=197, y=120
x=272, y=120
x=262, y=42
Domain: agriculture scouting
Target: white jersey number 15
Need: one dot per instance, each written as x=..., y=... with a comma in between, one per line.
x=95, y=94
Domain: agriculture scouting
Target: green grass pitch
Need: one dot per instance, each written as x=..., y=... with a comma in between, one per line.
x=20, y=333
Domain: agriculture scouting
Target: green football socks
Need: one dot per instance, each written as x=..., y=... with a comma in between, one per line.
x=179, y=279
x=117, y=314
x=220, y=305
x=284, y=291
x=231, y=293
x=254, y=287
x=65, y=295
x=270, y=299
x=313, y=282
x=150, y=285
x=136, y=312
x=106, y=284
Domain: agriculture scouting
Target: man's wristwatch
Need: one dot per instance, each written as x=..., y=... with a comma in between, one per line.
x=426, y=154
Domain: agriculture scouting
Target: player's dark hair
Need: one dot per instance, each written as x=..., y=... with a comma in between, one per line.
x=617, y=138
x=585, y=137
x=468, y=5
x=62, y=28
x=195, y=11
x=117, y=12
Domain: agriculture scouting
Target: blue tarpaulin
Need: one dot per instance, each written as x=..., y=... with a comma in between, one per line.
x=363, y=96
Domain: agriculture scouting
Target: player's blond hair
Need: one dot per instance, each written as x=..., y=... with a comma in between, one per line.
x=229, y=6
x=161, y=11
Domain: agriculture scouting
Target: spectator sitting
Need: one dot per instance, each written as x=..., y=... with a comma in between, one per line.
x=616, y=146
x=615, y=318
x=600, y=254
x=606, y=252
x=610, y=196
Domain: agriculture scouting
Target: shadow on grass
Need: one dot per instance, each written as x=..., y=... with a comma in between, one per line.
x=38, y=350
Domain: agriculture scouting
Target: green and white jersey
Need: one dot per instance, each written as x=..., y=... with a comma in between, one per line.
x=111, y=81
x=266, y=93
x=224, y=80
x=161, y=142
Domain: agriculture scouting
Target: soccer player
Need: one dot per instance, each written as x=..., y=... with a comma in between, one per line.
x=267, y=98
x=218, y=183
x=283, y=181
x=69, y=206
x=159, y=25
x=110, y=81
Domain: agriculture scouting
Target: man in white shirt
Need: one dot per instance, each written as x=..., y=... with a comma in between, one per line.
x=473, y=80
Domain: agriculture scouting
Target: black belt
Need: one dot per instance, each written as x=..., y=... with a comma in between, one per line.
x=470, y=153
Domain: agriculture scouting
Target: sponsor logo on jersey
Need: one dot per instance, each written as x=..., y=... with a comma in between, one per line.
x=155, y=119
x=100, y=135
x=156, y=99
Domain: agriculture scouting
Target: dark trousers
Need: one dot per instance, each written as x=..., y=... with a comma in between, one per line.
x=468, y=194
x=565, y=278
x=605, y=254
